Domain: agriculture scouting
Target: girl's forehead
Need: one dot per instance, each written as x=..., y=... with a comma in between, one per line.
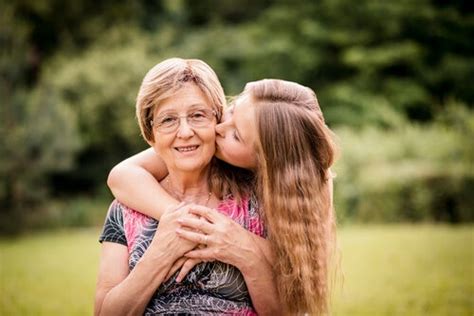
x=244, y=118
x=242, y=101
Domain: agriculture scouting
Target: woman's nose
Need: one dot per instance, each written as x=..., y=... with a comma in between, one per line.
x=184, y=129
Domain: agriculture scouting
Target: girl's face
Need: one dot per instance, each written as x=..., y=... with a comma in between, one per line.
x=236, y=134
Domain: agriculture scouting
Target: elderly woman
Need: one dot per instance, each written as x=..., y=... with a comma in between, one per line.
x=178, y=105
x=276, y=130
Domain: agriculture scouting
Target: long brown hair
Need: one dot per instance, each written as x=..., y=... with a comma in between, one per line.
x=295, y=151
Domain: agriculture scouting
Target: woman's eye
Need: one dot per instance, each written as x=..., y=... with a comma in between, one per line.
x=168, y=120
x=197, y=115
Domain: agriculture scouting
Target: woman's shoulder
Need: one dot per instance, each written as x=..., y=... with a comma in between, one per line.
x=117, y=208
x=126, y=217
x=115, y=211
x=244, y=211
x=113, y=229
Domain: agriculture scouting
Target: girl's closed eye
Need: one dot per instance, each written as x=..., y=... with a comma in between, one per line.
x=235, y=135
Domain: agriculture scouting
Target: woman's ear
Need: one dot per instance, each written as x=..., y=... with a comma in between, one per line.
x=151, y=141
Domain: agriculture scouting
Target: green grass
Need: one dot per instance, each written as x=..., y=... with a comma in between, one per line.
x=49, y=273
x=388, y=270
x=407, y=270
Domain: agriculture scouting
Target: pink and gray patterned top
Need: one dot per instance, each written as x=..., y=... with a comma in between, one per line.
x=211, y=288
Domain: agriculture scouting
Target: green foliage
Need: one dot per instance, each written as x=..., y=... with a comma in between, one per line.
x=41, y=138
x=411, y=173
x=69, y=74
x=385, y=49
x=388, y=270
x=73, y=212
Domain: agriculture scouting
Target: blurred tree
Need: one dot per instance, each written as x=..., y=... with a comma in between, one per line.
x=77, y=66
x=205, y=12
x=412, y=173
x=409, y=55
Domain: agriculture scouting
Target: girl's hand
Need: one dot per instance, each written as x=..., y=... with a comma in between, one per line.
x=186, y=265
x=225, y=240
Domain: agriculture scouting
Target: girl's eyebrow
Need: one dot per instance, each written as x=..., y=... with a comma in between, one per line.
x=235, y=126
x=231, y=108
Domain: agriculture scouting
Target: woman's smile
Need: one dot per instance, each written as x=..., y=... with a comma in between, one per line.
x=187, y=149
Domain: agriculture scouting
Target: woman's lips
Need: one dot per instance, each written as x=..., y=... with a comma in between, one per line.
x=184, y=149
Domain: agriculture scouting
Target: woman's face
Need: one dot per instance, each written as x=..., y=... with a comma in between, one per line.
x=188, y=148
x=236, y=134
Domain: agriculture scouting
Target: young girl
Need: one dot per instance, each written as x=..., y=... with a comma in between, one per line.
x=275, y=132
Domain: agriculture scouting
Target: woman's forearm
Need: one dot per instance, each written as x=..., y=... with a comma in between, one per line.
x=260, y=280
x=132, y=295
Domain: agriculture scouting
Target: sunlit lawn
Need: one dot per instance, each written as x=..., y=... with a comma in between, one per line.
x=49, y=273
x=407, y=270
x=388, y=270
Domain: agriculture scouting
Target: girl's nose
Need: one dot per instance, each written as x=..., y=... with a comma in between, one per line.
x=220, y=129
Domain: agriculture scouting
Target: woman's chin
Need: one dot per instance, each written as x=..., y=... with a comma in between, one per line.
x=218, y=154
x=190, y=166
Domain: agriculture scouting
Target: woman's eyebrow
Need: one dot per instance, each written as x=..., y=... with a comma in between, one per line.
x=191, y=108
x=198, y=105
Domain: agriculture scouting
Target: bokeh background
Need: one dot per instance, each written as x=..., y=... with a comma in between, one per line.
x=394, y=79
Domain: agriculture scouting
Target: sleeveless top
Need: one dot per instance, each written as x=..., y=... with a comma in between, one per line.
x=209, y=288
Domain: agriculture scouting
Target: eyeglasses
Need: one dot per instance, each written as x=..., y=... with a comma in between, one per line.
x=169, y=122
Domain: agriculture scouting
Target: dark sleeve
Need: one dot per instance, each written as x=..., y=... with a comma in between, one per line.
x=113, y=230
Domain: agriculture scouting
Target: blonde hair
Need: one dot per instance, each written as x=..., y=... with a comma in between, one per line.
x=165, y=78
x=295, y=151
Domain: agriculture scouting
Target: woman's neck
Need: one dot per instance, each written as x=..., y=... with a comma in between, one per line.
x=187, y=187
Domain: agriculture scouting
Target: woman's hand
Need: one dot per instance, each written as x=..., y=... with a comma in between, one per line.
x=225, y=240
x=229, y=242
x=166, y=239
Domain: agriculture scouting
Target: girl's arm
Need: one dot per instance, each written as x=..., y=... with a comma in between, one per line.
x=134, y=182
